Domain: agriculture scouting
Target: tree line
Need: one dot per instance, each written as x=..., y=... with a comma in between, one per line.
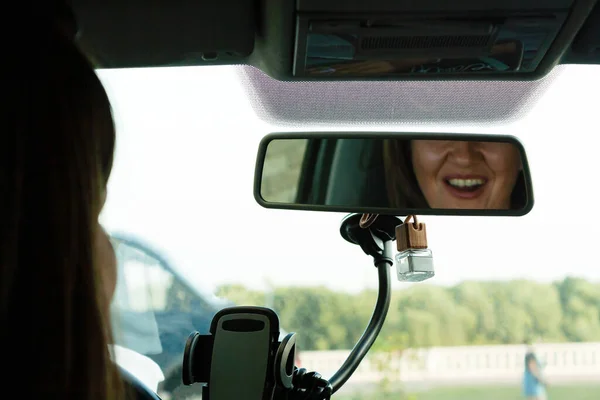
x=423, y=315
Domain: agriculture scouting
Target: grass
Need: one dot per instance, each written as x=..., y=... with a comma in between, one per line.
x=563, y=392
x=570, y=392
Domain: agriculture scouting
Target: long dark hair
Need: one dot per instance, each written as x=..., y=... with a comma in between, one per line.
x=402, y=187
x=57, y=151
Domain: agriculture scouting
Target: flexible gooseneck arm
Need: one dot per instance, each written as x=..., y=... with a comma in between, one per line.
x=370, y=334
x=377, y=240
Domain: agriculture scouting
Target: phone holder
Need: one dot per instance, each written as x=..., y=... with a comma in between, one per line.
x=242, y=358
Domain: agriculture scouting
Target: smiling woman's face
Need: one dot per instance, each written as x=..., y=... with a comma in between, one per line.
x=467, y=175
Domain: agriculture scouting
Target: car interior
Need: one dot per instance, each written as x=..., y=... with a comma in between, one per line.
x=337, y=73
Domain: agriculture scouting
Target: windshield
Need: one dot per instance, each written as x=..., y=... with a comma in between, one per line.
x=182, y=186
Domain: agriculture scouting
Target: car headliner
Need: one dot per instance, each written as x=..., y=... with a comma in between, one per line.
x=363, y=104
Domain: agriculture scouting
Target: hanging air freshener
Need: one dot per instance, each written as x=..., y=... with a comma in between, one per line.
x=414, y=261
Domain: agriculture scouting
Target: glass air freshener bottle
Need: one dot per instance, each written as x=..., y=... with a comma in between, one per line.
x=414, y=261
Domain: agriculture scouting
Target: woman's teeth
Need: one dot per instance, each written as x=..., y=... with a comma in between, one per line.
x=466, y=183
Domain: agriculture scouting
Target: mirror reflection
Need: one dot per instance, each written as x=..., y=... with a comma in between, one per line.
x=395, y=173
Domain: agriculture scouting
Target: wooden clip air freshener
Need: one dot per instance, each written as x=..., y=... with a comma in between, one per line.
x=414, y=261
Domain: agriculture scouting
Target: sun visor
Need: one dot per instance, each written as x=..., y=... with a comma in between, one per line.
x=433, y=39
x=131, y=34
x=586, y=46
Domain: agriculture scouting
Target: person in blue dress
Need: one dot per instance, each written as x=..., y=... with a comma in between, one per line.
x=534, y=384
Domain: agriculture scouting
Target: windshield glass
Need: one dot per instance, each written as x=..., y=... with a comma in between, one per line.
x=181, y=194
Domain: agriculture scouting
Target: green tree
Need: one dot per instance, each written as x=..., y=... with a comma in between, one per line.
x=475, y=299
x=431, y=317
x=581, y=304
x=470, y=313
x=240, y=295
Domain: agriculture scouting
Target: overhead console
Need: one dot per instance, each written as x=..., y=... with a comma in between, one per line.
x=428, y=39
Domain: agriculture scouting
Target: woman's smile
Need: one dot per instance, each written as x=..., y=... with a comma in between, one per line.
x=467, y=175
x=465, y=186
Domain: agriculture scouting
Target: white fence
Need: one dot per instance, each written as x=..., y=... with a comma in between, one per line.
x=565, y=362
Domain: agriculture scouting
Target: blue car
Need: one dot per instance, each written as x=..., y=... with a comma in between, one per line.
x=155, y=309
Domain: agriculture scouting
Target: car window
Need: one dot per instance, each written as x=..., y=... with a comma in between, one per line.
x=146, y=283
x=182, y=183
x=133, y=304
x=284, y=160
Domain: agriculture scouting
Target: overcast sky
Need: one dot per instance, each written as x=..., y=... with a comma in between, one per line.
x=183, y=176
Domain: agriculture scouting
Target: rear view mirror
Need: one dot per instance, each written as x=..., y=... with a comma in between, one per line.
x=394, y=173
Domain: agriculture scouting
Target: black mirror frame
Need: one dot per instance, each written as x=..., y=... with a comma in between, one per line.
x=264, y=143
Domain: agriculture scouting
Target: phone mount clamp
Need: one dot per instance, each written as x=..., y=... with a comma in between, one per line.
x=242, y=356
